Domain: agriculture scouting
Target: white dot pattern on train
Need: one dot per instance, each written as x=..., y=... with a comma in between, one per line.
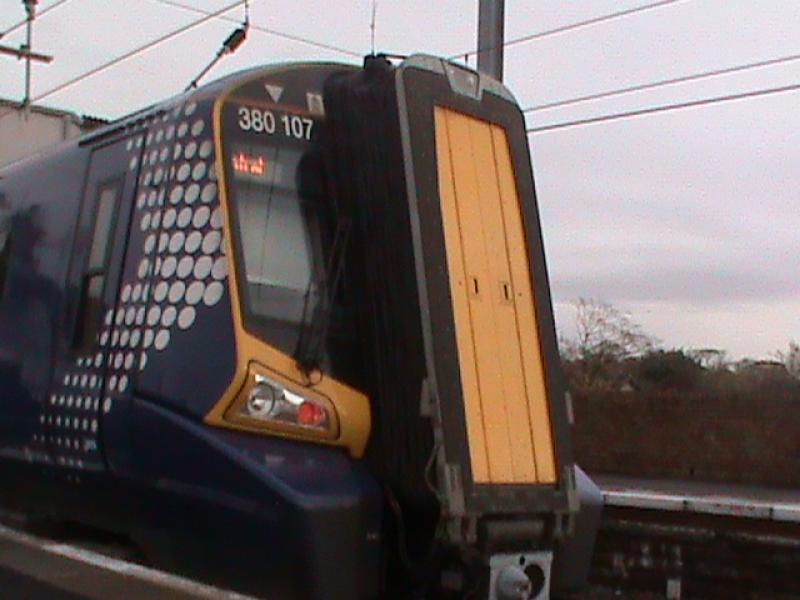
x=181, y=272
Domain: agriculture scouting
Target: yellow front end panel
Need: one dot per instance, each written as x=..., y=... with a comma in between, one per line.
x=502, y=375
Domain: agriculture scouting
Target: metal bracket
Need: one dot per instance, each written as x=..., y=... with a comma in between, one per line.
x=564, y=524
x=462, y=531
x=573, y=501
x=454, y=489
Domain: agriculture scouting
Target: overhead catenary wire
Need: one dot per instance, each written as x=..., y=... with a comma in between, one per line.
x=220, y=14
x=132, y=53
x=663, y=83
x=663, y=108
x=573, y=26
x=39, y=15
x=265, y=30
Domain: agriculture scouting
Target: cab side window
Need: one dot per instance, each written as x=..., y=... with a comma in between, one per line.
x=94, y=277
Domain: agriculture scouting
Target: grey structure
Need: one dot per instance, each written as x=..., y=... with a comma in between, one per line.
x=26, y=131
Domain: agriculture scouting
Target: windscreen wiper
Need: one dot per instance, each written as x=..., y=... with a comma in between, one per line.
x=310, y=346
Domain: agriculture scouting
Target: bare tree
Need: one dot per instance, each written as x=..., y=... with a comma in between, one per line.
x=606, y=338
x=791, y=359
x=603, y=328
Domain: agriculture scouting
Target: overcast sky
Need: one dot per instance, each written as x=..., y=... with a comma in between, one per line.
x=686, y=219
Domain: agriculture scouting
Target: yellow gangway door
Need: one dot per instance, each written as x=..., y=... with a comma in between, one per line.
x=502, y=374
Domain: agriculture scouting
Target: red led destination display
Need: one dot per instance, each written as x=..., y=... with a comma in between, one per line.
x=249, y=166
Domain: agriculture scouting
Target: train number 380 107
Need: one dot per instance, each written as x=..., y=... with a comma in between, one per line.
x=264, y=121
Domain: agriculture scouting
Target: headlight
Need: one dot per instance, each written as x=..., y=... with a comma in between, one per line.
x=264, y=400
x=271, y=401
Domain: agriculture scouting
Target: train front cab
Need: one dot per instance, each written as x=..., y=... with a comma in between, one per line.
x=395, y=352
x=423, y=337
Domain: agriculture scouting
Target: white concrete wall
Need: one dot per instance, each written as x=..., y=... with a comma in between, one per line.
x=21, y=134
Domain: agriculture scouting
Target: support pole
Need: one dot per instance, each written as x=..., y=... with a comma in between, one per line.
x=30, y=8
x=491, y=20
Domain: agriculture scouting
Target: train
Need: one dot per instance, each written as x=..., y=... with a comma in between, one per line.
x=291, y=332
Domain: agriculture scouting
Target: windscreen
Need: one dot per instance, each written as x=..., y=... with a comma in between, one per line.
x=279, y=217
x=282, y=212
